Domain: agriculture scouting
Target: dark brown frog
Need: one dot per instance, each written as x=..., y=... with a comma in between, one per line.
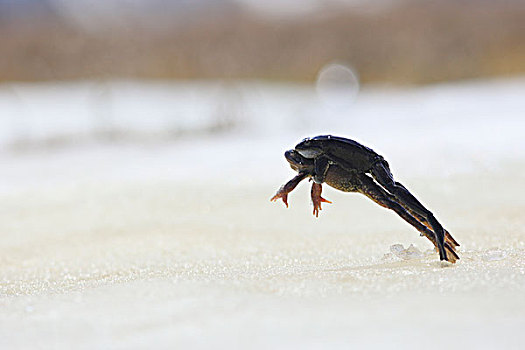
x=348, y=166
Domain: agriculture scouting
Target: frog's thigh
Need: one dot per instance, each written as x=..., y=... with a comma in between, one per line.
x=369, y=188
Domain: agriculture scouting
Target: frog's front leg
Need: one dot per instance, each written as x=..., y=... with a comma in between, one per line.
x=288, y=187
x=321, y=165
x=316, y=198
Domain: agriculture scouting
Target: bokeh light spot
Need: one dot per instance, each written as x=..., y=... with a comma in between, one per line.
x=337, y=86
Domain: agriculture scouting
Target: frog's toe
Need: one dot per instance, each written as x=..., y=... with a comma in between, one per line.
x=282, y=196
x=325, y=200
x=316, y=210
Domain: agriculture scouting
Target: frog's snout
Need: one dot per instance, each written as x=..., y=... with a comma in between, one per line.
x=289, y=155
x=292, y=156
x=297, y=161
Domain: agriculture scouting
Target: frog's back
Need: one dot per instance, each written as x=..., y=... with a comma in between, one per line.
x=343, y=140
x=349, y=153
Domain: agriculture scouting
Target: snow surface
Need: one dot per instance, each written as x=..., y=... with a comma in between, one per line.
x=137, y=215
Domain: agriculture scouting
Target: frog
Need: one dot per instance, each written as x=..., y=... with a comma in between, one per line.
x=349, y=166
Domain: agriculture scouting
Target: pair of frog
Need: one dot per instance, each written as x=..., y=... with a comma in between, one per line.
x=348, y=166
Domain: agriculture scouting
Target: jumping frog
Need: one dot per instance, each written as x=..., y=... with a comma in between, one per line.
x=348, y=166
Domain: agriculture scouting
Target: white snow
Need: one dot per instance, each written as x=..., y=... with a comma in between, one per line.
x=137, y=215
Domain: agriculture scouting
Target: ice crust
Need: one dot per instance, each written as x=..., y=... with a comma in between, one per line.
x=406, y=254
x=176, y=244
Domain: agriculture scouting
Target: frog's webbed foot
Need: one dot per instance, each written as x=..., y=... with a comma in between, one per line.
x=287, y=188
x=316, y=198
x=448, y=237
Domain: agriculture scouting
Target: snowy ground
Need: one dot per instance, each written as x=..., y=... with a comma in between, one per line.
x=138, y=216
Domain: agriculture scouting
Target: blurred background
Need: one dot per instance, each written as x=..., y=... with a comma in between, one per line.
x=133, y=62
x=141, y=140
x=386, y=41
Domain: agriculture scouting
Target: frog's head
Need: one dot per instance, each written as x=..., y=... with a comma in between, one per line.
x=310, y=147
x=298, y=162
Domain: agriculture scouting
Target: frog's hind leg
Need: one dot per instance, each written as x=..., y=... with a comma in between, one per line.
x=381, y=173
x=423, y=220
x=373, y=191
